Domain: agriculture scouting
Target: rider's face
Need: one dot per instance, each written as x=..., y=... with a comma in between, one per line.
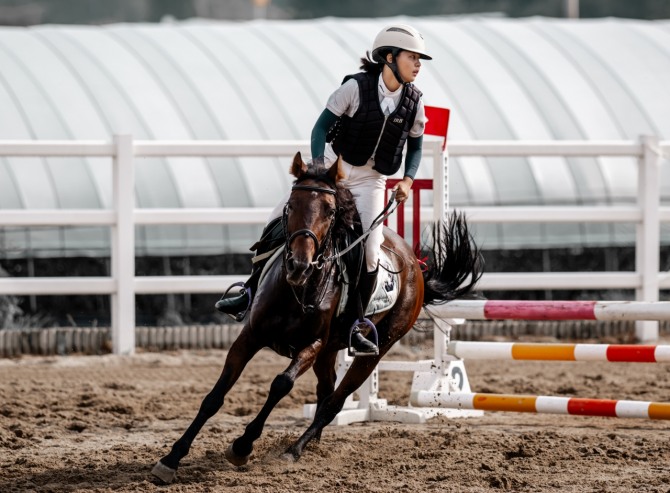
x=409, y=64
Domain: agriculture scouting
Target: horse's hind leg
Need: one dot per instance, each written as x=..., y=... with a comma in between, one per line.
x=359, y=371
x=242, y=350
x=239, y=451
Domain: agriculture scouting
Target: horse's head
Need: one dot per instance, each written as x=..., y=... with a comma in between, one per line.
x=309, y=217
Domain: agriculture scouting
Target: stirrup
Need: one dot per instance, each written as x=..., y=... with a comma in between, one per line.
x=365, y=321
x=240, y=315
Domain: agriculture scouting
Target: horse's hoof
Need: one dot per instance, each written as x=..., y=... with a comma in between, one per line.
x=288, y=457
x=164, y=473
x=234, y=459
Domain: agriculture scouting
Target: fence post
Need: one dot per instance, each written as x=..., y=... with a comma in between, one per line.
x=123, y=247
x=440, y=182
x=648, y=232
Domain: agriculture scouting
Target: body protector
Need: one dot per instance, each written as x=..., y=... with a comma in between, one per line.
x=369, y=134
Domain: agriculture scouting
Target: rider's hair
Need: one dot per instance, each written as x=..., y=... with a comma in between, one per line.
x=369, y=65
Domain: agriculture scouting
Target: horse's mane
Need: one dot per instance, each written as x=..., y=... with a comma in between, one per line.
x=347, y=214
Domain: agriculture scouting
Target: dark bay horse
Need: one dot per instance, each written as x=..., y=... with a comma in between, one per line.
x=294, y=310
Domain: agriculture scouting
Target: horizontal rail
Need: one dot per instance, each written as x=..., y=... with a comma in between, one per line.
x=542, y=404
x=553, y=310
x=184, y=284
x=259, y=148
x=150, y=148
x=545, y=148
x=259, y=215
x=27, y=286
x=559, y=280
x=56, y=148
x=228, y=215
x=232, y=148
x=208, y=284
x=556, y=214
x=620, y=353
x=58, y=217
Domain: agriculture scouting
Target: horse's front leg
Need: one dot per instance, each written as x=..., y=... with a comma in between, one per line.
x=239, y=451
x=242, y=350
x=324, y=369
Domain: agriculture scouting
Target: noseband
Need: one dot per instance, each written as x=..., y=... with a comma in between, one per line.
x=305, y=231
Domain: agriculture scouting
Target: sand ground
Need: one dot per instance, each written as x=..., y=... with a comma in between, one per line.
x=99, y=423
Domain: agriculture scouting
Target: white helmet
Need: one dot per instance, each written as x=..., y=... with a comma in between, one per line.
x=399, y=36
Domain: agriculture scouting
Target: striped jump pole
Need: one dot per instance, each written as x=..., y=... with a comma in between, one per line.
x=621, y=353
x=542, y=404
x=552, y=310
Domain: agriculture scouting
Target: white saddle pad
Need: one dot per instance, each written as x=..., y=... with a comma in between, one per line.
x=386, y=289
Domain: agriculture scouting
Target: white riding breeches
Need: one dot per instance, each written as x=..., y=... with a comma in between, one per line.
x=367, y=186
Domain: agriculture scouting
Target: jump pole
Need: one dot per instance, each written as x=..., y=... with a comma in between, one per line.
x=549, y=310
x=620, y=353
x=543, y=404
x=553, y=310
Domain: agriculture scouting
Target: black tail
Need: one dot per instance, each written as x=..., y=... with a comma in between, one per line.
x=454, y=262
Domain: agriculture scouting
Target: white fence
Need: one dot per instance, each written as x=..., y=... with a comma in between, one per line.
x=123, y=285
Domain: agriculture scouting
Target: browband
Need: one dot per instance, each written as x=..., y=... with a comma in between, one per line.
x=311, y=188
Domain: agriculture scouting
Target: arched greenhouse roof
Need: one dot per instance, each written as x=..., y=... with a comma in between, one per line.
x=534, y=78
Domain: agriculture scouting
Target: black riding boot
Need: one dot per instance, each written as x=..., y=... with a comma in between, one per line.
x=237, y=306
x=359, y=343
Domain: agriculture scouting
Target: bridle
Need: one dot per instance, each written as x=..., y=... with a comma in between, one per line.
x=318, y=247
x=319, y=261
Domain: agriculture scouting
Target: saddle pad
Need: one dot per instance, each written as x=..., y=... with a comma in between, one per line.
x=386, y=289
x=277, y=253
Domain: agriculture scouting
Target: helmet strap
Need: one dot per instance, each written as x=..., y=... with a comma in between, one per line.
x=394, y=66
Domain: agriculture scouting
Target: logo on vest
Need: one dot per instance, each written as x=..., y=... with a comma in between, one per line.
x=397, y=120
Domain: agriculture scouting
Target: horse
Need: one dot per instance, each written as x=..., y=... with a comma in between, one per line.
x=294, y=311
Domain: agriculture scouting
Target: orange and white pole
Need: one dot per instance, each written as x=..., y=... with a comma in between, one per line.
x=622, y=353
x=542, y=404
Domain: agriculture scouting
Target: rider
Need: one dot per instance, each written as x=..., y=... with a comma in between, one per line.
x=367, y=121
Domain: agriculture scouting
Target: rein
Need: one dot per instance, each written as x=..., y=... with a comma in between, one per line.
x=386, y=212
x=320, y=261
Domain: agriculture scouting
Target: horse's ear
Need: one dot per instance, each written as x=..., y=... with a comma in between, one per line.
x=298, y=168
x=335, y=172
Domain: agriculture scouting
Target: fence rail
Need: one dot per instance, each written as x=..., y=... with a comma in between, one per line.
x=122, y=285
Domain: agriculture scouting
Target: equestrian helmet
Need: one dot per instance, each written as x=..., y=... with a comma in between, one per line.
x=398, y=37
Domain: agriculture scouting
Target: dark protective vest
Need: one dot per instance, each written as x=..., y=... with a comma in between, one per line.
x=368, y=134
